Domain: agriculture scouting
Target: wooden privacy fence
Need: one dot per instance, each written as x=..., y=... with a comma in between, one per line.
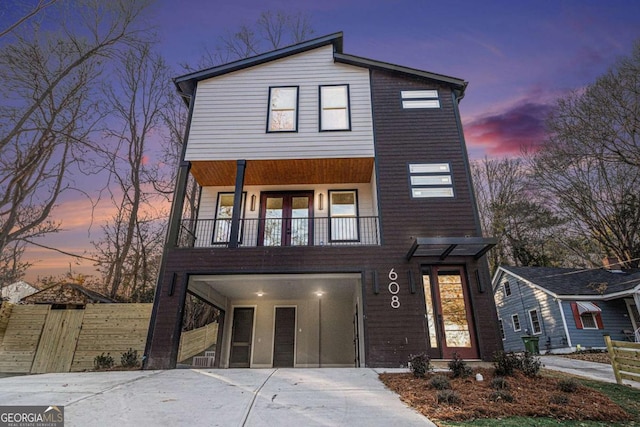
x=196, y=341
x=37, y=339
x=625, y=359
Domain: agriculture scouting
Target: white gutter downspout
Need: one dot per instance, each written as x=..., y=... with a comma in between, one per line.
x=564, y=323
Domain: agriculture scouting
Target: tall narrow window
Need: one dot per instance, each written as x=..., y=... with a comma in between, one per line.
x=431, y=318
x=535, y=322
x=334, y=108
x=516, y=322
x=343, y=210
x=224, y=212
x=507, y=289
x=283, y=109
x=501, y=329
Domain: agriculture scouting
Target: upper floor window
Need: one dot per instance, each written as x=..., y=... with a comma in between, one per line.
x=430, y=180
x=224, y=213
x=283, y=109
x=501, y=329
x=334, y=108
x=343, y=210
x=507, y=289
x=420, y=99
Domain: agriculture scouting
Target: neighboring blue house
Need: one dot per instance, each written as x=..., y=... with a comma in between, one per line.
x=566, y=308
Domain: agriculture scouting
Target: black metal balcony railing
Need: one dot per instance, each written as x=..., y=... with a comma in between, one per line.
x=342, y=231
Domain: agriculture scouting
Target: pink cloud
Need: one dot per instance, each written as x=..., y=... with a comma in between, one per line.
x=507, y=132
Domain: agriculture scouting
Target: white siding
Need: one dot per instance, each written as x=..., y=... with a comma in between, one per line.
x=230, y=113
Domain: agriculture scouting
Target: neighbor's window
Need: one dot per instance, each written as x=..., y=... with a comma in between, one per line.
x=588, y=321
x=283, y=109
x=535, y=322
x=501, y=329
x=343, y=210
x=224, y=212
x=516, y=322
x=507, y=289
x=334, y=108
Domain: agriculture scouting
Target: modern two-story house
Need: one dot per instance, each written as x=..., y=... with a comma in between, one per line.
x=336, y=223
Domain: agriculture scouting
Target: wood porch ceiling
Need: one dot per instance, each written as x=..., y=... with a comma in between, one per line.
x=284, y=172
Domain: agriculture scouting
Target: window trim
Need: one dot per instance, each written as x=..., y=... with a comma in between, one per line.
x=507, y=289
x=348, y=108
x=356, y=217
x=215, y=221
x=515, y=318
x=296, y=111
x=533, y=329
x=593, y=318
x=502, y=331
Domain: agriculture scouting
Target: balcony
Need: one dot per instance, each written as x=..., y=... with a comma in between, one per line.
x=271, y=232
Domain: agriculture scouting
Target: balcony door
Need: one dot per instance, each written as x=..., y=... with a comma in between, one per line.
x=286, y=219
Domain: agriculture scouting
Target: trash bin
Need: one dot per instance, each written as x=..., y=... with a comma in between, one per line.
x=531, y=344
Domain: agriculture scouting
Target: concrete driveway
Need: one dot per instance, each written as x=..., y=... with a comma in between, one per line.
x=223, y=397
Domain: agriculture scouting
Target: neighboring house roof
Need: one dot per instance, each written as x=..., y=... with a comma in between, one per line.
x=16, y=291
x=575, y=282
x=66, y=293
x=187, y=83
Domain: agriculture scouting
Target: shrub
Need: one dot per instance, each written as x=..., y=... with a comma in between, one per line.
x=440, y=382
x=568, y=385
x=129, y=359
x=501, y=396
x=103, y=362
x=459, y=367
x=505, y=363
x=448, y=397
x=499, y=383
x=530, y=365
x=559, y=399
x=420, y=364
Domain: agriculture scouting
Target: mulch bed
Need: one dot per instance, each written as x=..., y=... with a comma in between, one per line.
x=532, y=397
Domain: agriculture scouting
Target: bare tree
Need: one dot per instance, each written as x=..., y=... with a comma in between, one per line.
x=605, y=117
x=47, y=110
x=30, y=12
x=272, y=30
x=133, y=239
x=528, y=232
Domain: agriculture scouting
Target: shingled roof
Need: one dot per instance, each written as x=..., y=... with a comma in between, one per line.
x=574, y=281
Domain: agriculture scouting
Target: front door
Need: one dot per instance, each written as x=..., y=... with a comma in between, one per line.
x=284, y=337
x=286, y=219
x=448, y=313
x=241, y=334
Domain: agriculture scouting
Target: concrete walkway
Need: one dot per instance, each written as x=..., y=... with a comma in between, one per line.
x=223, y=397
x=592, y=370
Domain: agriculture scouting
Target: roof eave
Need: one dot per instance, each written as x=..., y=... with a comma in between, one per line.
x=458, y=84
x=187, y=82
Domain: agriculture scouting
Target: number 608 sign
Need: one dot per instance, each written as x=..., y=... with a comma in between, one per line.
x=394, y=288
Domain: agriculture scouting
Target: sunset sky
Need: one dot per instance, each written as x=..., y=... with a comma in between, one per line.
x=519, y=57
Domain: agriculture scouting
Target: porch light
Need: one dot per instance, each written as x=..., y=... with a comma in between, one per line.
x=320, y=201
x=260, y=293
x=253, y=202
x=319, y=293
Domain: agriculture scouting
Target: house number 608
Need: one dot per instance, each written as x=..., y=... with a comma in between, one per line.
x=394, y=288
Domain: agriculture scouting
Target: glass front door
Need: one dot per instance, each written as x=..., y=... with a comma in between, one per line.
x=286, y=219
x=448, y=313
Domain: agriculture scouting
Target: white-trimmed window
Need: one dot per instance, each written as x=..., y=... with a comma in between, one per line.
x=430, y=180
x=507, y=289
x=588, y=321
x=224, y=213
x=534, y=319
x=283, y=109
x=420, y=99
x=343, y=211
x=334, y=108
x=515, y=321
x=501, y=329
